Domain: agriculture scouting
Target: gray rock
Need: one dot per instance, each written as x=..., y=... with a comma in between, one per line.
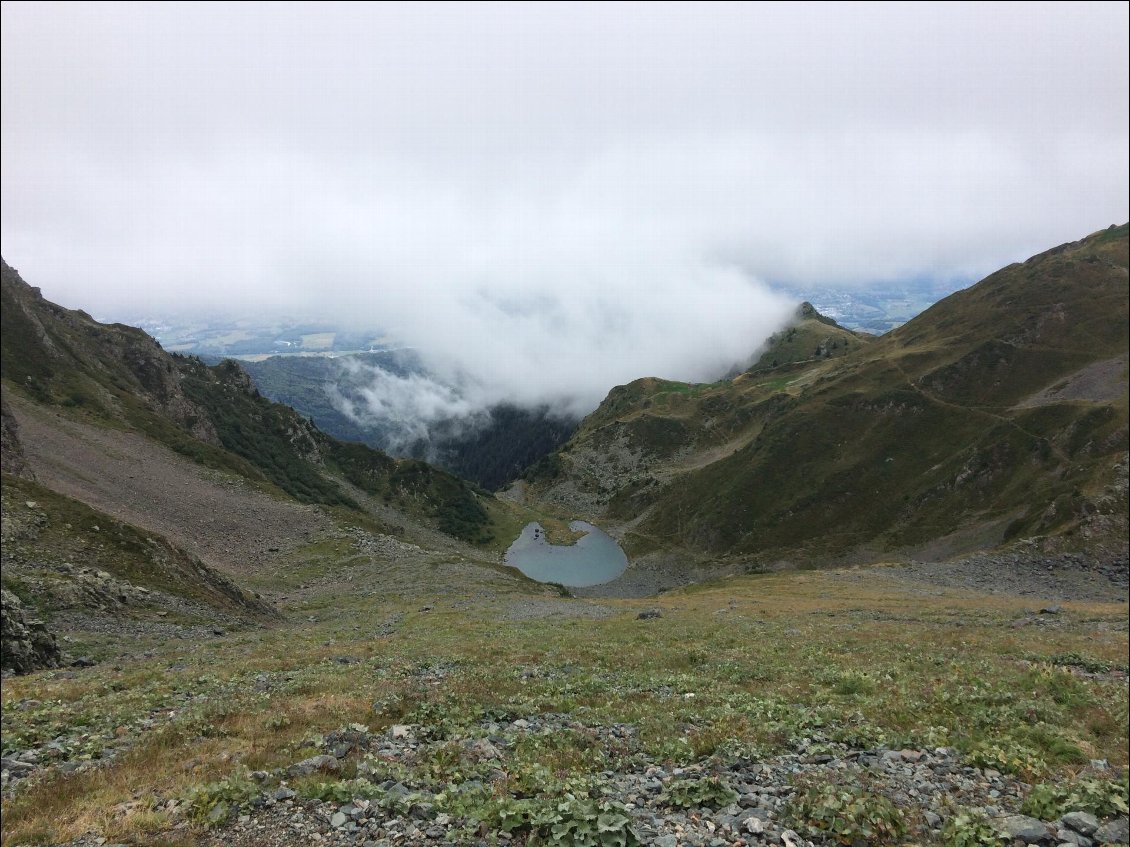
x=338, y=820
x=1082, y=822
x=15, y=767
x=313, y=764
x=284, y=793
x=1075, y=839
x=666, y=841
x=649, y=614
x=25, y=644
x=1026, y=829
x=485, y=750
x=1116, y=831
x=932, y=820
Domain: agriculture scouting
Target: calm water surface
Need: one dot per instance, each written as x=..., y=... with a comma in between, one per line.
x=592, y=559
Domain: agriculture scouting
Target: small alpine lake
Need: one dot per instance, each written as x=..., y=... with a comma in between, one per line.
x=593, y=559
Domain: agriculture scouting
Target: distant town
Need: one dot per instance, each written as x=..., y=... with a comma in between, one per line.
x=876, y=309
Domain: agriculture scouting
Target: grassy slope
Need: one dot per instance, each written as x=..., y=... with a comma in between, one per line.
x=850, y=656
x=908, y=438
x=811, y=337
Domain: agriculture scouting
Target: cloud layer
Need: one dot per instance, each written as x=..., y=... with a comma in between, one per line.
x=549, y=200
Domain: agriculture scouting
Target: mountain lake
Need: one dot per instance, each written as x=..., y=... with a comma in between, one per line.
x=593, y=559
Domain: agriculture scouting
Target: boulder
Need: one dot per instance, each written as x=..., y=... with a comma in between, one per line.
x=314, y=764
x=1081, y=822
x=1026, y=829
x=1116, y=831
x=26, y=644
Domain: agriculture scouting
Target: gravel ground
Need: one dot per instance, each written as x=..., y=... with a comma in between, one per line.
x=747, y=802
x=222, y=519
x=1064, y=576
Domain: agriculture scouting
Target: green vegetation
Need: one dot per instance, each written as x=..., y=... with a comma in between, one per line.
x=294, y=455
x=783, y=670
x=215, y=802
x=710, y=792
x=271, y=437
x=936, y=430
x=503, y=447
x=848, y=814
x=1101, y=797
x=811, y=337
x=972, y=828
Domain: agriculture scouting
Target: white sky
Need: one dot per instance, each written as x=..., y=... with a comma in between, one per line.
x=529, y=192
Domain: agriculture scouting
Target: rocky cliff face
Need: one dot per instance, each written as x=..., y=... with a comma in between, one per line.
x=11, y=451
x=25, y=643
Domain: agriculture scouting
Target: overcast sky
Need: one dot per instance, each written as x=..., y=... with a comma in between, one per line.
x=607, y=186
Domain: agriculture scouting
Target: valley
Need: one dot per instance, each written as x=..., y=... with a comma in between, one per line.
x=875, y=593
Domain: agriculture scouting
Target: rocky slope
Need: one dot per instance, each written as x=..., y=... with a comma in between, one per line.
x=118, y=376
x=144, y=489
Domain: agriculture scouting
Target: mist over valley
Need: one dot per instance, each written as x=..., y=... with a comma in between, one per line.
x=564, y=425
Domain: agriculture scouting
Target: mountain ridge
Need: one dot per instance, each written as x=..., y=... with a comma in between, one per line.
x=918, y=435
x=120, y=377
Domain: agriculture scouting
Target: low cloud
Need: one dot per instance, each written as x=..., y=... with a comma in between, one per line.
x=402, y=408
x=547, y=200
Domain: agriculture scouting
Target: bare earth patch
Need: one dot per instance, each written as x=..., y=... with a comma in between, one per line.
x=1099, y=382
x=220, y=518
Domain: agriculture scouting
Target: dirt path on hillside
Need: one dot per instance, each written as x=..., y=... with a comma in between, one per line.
x=220, y=518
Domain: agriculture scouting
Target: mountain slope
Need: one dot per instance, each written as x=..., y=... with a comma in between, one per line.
x=1000, y=412
x=60, y=554
x=810, y=337
x=117, y=376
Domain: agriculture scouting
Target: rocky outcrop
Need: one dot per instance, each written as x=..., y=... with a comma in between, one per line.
x=11, y=451
x=25, y=644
